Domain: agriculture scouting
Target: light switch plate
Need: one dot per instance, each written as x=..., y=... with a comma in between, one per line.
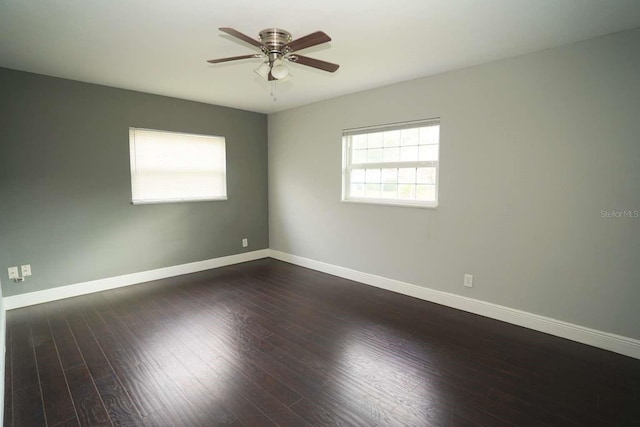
x=26, y=270
x=468, y=280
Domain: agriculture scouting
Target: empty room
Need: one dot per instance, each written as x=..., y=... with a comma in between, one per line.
x=420, y=213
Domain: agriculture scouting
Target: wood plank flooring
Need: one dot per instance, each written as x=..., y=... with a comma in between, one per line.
x=267, y=343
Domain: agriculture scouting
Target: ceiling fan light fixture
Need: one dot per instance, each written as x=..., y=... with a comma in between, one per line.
x=276, y=47
x=279, y=70
x=263, y=70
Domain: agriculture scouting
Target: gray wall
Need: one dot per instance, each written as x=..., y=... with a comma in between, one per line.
x=532, y=150
x=65, y=183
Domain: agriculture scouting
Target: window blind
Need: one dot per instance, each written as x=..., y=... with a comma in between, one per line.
x=175, y=167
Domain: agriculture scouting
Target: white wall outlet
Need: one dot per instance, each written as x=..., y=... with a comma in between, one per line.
x=245, y=243
x=26, y=270
x=468, y=280
x=13, y=272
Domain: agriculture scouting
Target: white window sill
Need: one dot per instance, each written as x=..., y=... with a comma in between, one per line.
x=396, y=203
x=157, y=202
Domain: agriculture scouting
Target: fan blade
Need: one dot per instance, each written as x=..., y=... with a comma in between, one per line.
x=271, y=78
x=315, y=63
x=307, y=41
x=243, y=37
x=233, y=58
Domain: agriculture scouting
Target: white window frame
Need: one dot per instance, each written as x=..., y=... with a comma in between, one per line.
x=211, y=171
x=348, y=166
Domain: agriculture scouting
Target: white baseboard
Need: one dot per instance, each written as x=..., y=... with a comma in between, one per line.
x=608, y=341
x=77, y=289
x=605, y=340
x=3, y=337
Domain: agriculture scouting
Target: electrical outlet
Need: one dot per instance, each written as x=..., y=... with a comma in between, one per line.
x=26, y=270
x=245, y=243
x=468, y=280
x=13, y=272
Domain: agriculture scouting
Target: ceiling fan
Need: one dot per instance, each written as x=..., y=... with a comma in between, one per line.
x=276, y=47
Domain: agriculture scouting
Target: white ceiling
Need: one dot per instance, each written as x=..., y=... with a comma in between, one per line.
x=160, y=46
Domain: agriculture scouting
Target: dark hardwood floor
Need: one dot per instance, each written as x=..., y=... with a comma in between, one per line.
x=270, y=344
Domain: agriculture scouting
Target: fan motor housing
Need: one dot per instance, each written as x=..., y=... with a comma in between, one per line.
x=275, y=39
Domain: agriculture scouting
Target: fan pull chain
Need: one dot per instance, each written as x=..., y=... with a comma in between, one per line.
x=274, y=91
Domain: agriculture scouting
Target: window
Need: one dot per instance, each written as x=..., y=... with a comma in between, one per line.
x=393, y=164
x=176, y=167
